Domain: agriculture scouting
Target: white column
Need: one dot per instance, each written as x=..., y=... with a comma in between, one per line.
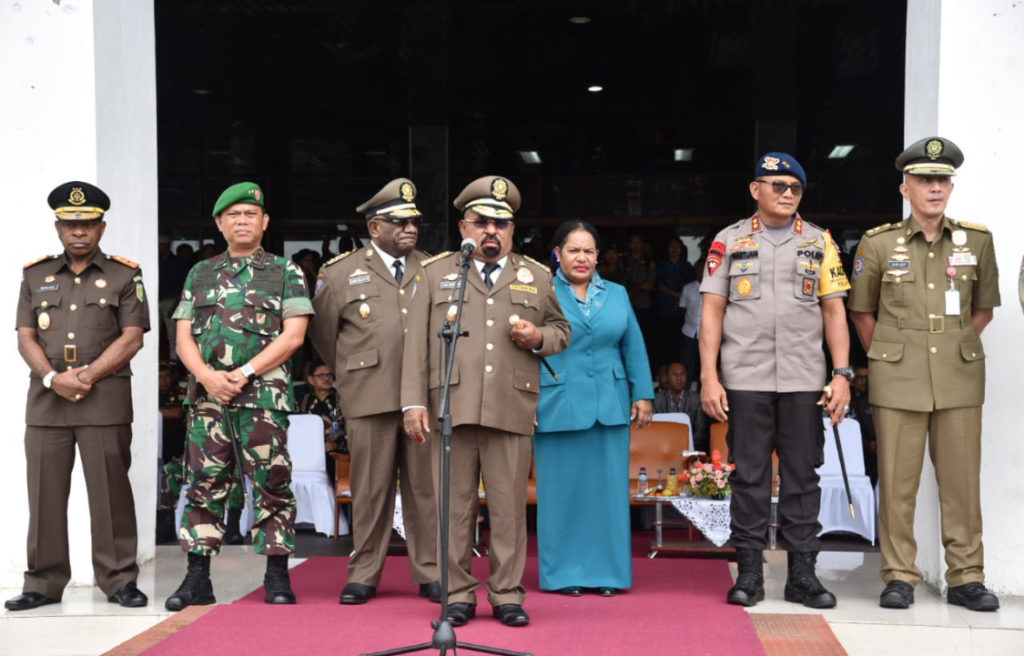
x=964, y=74
x=79, y=85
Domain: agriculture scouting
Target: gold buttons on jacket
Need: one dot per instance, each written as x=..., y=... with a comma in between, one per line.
x=71, y=335
x=488, y=368
x=43, y=304
x=78, y=281
x=490, y=322
x=490, y=301
x=73, y=307
x=490, y=347
x=931, y=255
x=933, y=350
x=401, y=292
x=103, y=301
x=931, y=285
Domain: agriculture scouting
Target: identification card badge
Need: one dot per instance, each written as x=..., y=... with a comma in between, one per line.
x=952, y=295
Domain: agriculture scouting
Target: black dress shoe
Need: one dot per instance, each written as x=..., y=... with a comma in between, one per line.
x=973, y=596
x=431, y=591
x=27, y=600
x=129, y=596
x=459, y=614
x=897, y=594
x=511, y=615
x=571, y=591
x=357, y=593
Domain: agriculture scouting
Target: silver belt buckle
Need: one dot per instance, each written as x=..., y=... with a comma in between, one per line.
x=936, y=324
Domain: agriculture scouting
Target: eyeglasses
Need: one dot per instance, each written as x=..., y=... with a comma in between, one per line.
x=400, y=222
x=481, y=223
x=781, y=187
x=323, y=376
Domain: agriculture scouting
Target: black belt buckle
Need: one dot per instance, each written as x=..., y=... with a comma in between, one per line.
x=70, y=353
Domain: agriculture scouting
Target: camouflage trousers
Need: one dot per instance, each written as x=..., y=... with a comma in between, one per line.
x=173, y=477
x=210, y=456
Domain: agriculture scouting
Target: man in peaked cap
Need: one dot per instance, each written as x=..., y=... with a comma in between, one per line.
x=512, y=314
x=362, y=302
x=773, y=288
x=932, y=281
x=241, y=316
x=80, y=321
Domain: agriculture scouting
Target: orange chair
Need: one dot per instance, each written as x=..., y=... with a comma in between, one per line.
x=342, y=487
x=659, y=445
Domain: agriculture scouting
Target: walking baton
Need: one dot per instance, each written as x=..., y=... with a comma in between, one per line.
x=842, y=460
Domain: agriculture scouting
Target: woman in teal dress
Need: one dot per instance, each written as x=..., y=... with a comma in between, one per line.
x=581, y=444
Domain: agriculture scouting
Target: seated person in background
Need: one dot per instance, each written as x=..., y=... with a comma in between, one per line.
x=322, y=399
x=675, y=397
x=173, y=416
x=860, y=409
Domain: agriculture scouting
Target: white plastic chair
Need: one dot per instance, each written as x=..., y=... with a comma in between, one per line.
x=678, y=418
x=313, y=490
x=835, y=509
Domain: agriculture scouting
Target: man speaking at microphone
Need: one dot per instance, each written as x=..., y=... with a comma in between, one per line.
x=512, y=316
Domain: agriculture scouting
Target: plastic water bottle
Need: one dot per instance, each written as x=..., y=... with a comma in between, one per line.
x=641, y=482
x=673, y=481
x=335, y=424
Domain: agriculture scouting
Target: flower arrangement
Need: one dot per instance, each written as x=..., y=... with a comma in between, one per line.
x=709, y=480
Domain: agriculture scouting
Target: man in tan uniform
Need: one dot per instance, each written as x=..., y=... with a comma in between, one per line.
x=933, y=283
x=512, y=315
x=81, y=318
x=361, y=302
x=773, y=287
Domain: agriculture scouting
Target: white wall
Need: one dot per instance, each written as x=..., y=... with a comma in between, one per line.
x=965, y=69
x=79, y=102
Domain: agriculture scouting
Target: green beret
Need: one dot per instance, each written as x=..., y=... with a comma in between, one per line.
x=930, y=156
x=243, y=192
x=491, y=196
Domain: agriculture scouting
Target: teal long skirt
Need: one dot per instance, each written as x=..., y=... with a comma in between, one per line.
x=583, y=534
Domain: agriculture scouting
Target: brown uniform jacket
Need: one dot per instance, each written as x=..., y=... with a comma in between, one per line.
x=494, y=382
x=76, y=318
x=358, y=329
x=921, y=358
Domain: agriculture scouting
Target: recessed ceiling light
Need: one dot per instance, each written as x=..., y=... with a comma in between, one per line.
x=683, y=154
x=201, y=92
x=841, y=151
x=579, y=20
x=529, y=156
x=595, y=88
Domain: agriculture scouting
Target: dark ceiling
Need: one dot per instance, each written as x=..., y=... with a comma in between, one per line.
x=323, y=101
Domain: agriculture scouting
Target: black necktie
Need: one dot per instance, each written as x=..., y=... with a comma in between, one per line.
x=490, y=268
x=398, y=271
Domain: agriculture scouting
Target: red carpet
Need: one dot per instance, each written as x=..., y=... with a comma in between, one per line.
x=676, y=607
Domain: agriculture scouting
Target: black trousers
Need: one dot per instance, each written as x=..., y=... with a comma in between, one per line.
x=790, y=424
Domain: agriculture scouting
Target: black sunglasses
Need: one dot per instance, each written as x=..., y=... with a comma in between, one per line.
x=397, y=221
x=781, y=187
x=499, y=224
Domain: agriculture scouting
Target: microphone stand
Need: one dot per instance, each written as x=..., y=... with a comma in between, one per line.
x=443, y=638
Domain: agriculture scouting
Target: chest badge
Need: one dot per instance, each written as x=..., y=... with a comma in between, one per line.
x=364, y=310
x=450, y=316
x=101, y=282
x=524, y=275
x=49, y=278
x=744, y=286
x=43, y=320
x=959, y=237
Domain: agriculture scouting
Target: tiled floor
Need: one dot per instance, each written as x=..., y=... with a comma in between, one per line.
x=86, y=624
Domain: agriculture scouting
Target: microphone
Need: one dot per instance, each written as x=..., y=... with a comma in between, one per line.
x=468, y=246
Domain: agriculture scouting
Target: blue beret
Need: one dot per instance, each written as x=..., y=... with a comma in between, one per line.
x=780, y=164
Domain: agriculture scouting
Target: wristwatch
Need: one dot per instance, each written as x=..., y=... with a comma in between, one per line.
x=48, y=379
x=250, y=373
x=845, y=372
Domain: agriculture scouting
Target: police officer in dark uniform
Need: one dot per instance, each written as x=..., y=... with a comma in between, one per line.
x=81, y=317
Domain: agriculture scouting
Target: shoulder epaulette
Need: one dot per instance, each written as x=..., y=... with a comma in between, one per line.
x=882, y=228
x=980, y=227
x=431, y=260
x=125, y=261
x=35, y=262
x=337, y=258
x=530, y=259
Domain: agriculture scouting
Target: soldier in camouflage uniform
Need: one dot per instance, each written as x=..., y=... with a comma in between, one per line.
x=241, y=317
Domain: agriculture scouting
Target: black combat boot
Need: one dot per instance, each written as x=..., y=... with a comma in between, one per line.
x=165, y=529
x=196, y=589
x=276, y=581
x=802, y=584
x=749, y=587
x=233, y=535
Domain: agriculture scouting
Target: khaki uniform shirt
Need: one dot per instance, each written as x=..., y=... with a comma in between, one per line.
x=76, y=317
x=237, y=307
x=494, y=382
x=772, y=331
x=922, y=358
x=361, y=313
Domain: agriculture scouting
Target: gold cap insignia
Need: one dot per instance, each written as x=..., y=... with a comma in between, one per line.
x=77, y=196
x=406, y=191
x=499, y=189
x=934, y=148
x=770, y=163
x=256, y=193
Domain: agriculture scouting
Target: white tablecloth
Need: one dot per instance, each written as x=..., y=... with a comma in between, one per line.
x=710, y=517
